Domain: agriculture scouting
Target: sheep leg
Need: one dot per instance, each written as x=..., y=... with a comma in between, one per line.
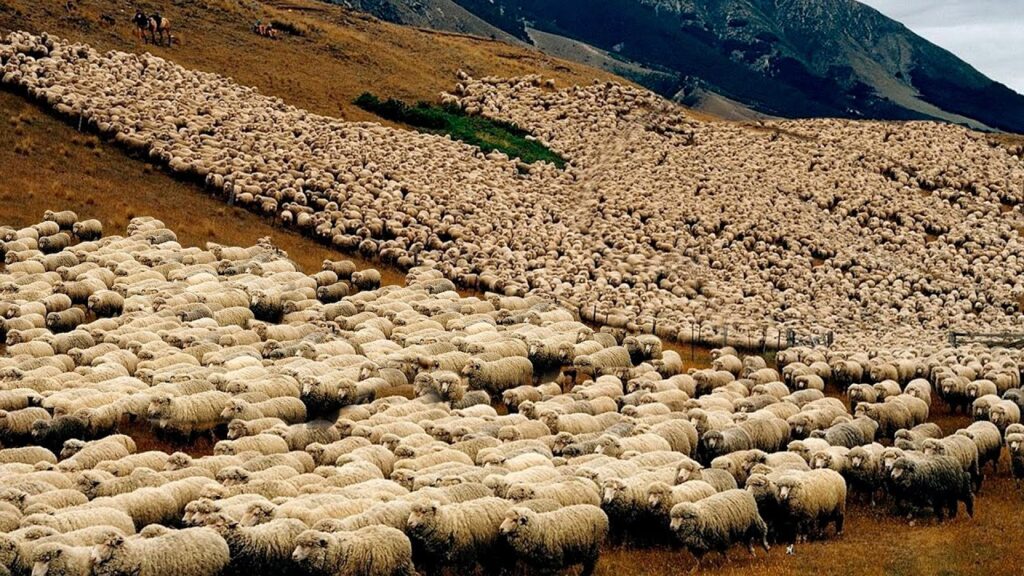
x=590, y=563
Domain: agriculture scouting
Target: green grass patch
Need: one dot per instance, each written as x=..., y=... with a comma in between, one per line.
x=484, y=133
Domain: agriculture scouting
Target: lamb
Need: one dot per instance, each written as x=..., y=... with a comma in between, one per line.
x=1002, y=413
x=717, y=522
x=369, y=551
x=193, y=551
x=720, y=480
x=499, y=375
x=938, y=482
x=813, y=500
x=79, y=455
x=556, y=540
x=460, y=535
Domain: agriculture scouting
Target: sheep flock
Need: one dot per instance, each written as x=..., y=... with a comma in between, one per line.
x=373, y=430
x=405, y=429
x=873, y=231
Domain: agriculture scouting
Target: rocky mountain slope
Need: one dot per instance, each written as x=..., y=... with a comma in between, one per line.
x=791, y=58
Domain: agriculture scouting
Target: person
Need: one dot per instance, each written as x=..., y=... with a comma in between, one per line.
x=141, y=22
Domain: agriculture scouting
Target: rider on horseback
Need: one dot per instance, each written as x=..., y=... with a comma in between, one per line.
x=140, y=19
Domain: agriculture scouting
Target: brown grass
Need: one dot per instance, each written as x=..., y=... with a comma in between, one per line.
x=46, y=164
x=69, y=170
x=340, y=54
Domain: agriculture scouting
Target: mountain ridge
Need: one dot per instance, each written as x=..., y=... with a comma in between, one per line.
x=789, y=58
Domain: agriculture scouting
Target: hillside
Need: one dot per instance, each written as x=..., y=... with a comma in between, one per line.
x=790, y=58
x=335, y=55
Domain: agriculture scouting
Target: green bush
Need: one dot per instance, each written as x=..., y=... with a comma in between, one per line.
x=486, y=134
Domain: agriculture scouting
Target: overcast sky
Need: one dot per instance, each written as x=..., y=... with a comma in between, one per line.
x=988, y=34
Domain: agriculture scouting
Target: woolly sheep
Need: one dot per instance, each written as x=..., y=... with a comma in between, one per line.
x=195, y=551
x=717, y=522
x=556, y=540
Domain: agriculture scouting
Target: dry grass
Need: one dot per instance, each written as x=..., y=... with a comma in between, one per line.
x=65, y=169
x=46, y=164
x=340, y=54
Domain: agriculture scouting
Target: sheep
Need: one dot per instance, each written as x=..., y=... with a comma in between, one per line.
x=105, y=303
x=70, y=519
x=662, y=497
x=567, y=492
x=369, y=551
x=813, y=500
x=265, y=547
x=937, y=482
x=913, y=439
x=368, y=279
x=866, y=473
x=1015, y=444
x=243, y=428
x=87, y=230
x=55, y=558
x=985, y=436
x=717, y=522
x=286, y=408
x=1002, y=413
x=556, y=540
x=27, y=455
x=499, y=375
x=961, y=449
x=720, y=480
x=462, y=534
x=196, y=551
x=187, y=415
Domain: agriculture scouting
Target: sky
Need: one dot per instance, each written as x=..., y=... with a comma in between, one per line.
x=987, y=34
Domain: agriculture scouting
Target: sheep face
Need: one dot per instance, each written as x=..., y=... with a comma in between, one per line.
x=312, y=549
x=614, y=489
x=257, y=513
x=903, y=471
x=685, y=521
x=516, y=519
x=423, y=513
x=45, y=555
x=107, y=551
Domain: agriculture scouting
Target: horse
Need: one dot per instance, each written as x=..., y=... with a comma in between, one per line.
x=161, y=30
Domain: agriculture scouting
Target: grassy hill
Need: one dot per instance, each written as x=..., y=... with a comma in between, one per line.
x=332, y=56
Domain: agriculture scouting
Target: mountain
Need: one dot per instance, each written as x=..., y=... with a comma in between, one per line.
x=789, y=58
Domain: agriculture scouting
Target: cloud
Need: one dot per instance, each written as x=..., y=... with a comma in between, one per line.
x=984, y=33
